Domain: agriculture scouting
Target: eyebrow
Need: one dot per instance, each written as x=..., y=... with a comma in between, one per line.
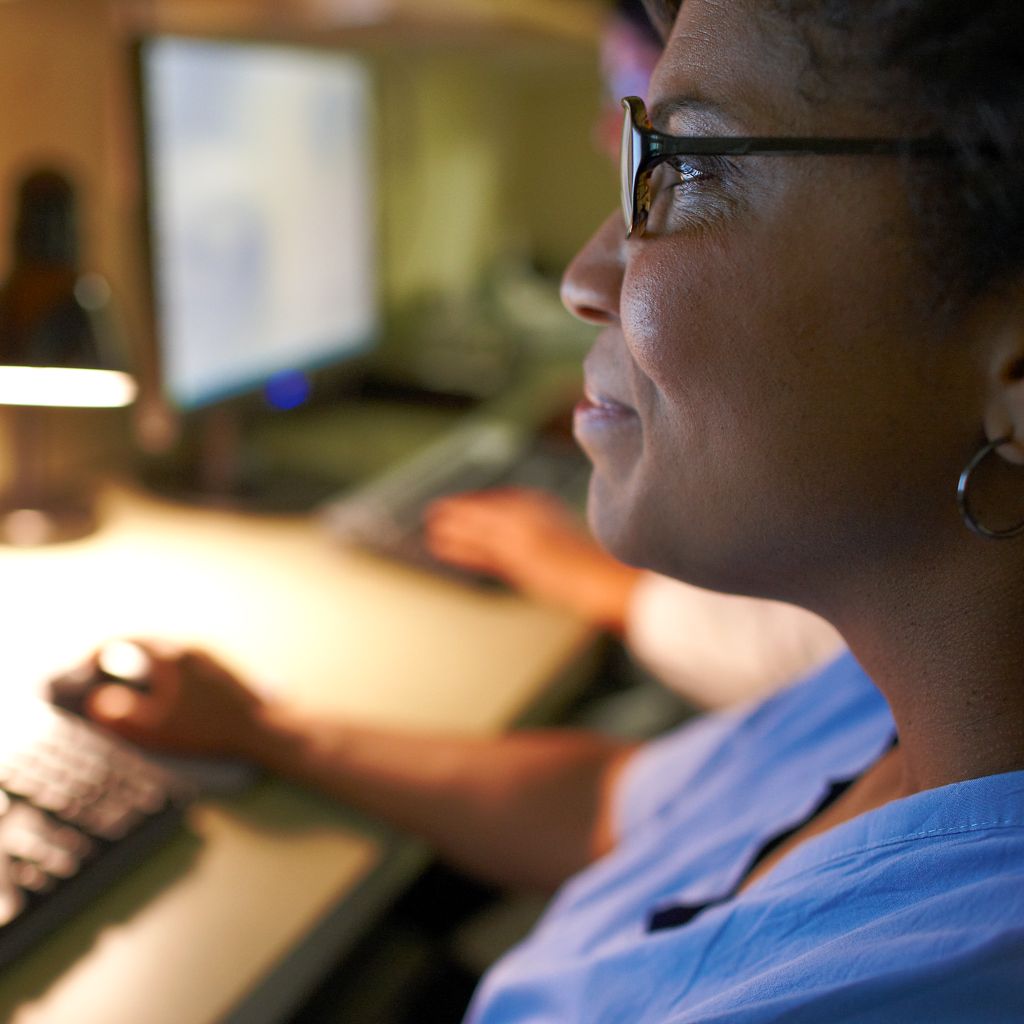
x=662, y=113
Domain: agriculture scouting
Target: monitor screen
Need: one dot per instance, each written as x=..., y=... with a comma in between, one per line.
x=261, y=213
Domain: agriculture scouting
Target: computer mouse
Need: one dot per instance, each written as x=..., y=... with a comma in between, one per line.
x=120, y=661
x=127, y=664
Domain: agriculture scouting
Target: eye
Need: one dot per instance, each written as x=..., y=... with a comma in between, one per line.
x=690, y=191
x=686, y=170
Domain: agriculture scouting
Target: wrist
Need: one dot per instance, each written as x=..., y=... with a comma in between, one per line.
x=277, y=737
x=258, y=732
x=609, y=595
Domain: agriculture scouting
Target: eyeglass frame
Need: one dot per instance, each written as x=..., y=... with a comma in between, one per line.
x=654, y=147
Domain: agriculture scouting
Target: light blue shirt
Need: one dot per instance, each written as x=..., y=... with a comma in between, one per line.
x=910, y=913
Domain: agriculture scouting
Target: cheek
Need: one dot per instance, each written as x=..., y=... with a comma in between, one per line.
x=796, y=405
x=705, y=360
x=786, y=367
x=751, y=366
x=776, y=334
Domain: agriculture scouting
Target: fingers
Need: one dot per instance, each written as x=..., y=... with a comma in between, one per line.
x=465, y=551
x=497, y=504
x=143, y=685
x=168, y=697
x=125, y=659
x=157, y=648
x=504, y=530
x=464, y=524
x=490, y=519
x=120, y=708
x=463, y=531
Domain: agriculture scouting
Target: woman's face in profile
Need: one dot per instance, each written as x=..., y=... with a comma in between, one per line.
x=763, y=396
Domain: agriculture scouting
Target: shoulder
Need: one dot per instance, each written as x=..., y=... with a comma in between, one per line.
x=822, y=721
x=926, y=925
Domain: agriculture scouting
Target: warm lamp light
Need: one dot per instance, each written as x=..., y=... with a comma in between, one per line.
x=55, y=352
x=66, y=387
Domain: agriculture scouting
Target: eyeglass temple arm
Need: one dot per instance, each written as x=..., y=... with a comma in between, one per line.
x=658, y=146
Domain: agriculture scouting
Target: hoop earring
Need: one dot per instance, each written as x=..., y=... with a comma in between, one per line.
x=961, y=495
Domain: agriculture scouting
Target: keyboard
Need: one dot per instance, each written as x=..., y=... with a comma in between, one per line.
x=386, y=515
x=77, y=809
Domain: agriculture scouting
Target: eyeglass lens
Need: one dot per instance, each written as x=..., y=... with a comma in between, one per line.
x=628, y=165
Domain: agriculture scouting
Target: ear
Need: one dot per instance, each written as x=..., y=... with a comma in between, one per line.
x=1004, y=414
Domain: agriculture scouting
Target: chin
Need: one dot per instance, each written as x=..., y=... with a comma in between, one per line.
x=635, y=533
x=614, y=523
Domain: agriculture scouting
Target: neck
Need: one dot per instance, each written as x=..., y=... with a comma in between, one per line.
x=946, y=648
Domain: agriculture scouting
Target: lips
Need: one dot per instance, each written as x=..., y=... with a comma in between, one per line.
x=600, y=419
x=603, y=422
x=596, y=403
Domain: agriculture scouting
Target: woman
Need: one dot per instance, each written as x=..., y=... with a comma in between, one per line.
x=795, y=366
x=801, y=353
x=713, y=649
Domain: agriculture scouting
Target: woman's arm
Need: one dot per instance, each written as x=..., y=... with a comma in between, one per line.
x=524, y=810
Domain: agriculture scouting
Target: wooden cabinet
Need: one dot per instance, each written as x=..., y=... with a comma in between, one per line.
x=426, y=20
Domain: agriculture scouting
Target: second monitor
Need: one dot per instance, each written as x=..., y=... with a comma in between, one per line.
x=261, y=218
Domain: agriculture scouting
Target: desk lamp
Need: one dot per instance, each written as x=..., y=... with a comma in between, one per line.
x=54, y=352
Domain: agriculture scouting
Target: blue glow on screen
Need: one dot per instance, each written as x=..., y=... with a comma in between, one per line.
x=287, y=390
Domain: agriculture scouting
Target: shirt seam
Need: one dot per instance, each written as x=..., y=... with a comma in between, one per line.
x=908, y=837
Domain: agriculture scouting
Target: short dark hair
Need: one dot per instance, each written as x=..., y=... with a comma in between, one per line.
x=954, y=68
x=662, y=14
x=635, y=12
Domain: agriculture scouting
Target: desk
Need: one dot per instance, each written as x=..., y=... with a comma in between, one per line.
x=234, y=919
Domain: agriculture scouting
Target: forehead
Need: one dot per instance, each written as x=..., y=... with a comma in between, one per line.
x=751, y=70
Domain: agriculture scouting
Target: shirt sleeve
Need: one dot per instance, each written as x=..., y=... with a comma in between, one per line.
x=716, y=649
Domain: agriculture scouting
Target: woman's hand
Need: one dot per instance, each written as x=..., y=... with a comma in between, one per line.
x=182, y=701
x=533, y=542
x=524, y=810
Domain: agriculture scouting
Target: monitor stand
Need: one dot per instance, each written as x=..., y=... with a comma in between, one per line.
x=216, y=466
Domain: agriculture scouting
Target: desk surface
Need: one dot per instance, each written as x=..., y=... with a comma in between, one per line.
x=204, y=923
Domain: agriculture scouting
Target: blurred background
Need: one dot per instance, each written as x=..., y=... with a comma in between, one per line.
x=463, y=135
x=485, y=180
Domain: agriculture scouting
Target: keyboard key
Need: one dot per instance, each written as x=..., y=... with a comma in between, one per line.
x=74, y=804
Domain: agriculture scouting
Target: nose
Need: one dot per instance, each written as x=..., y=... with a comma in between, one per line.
x=593, y=281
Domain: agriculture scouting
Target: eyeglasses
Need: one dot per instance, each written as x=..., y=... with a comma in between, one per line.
x=643, y=149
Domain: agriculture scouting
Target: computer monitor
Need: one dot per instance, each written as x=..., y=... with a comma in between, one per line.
x=260, y=215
